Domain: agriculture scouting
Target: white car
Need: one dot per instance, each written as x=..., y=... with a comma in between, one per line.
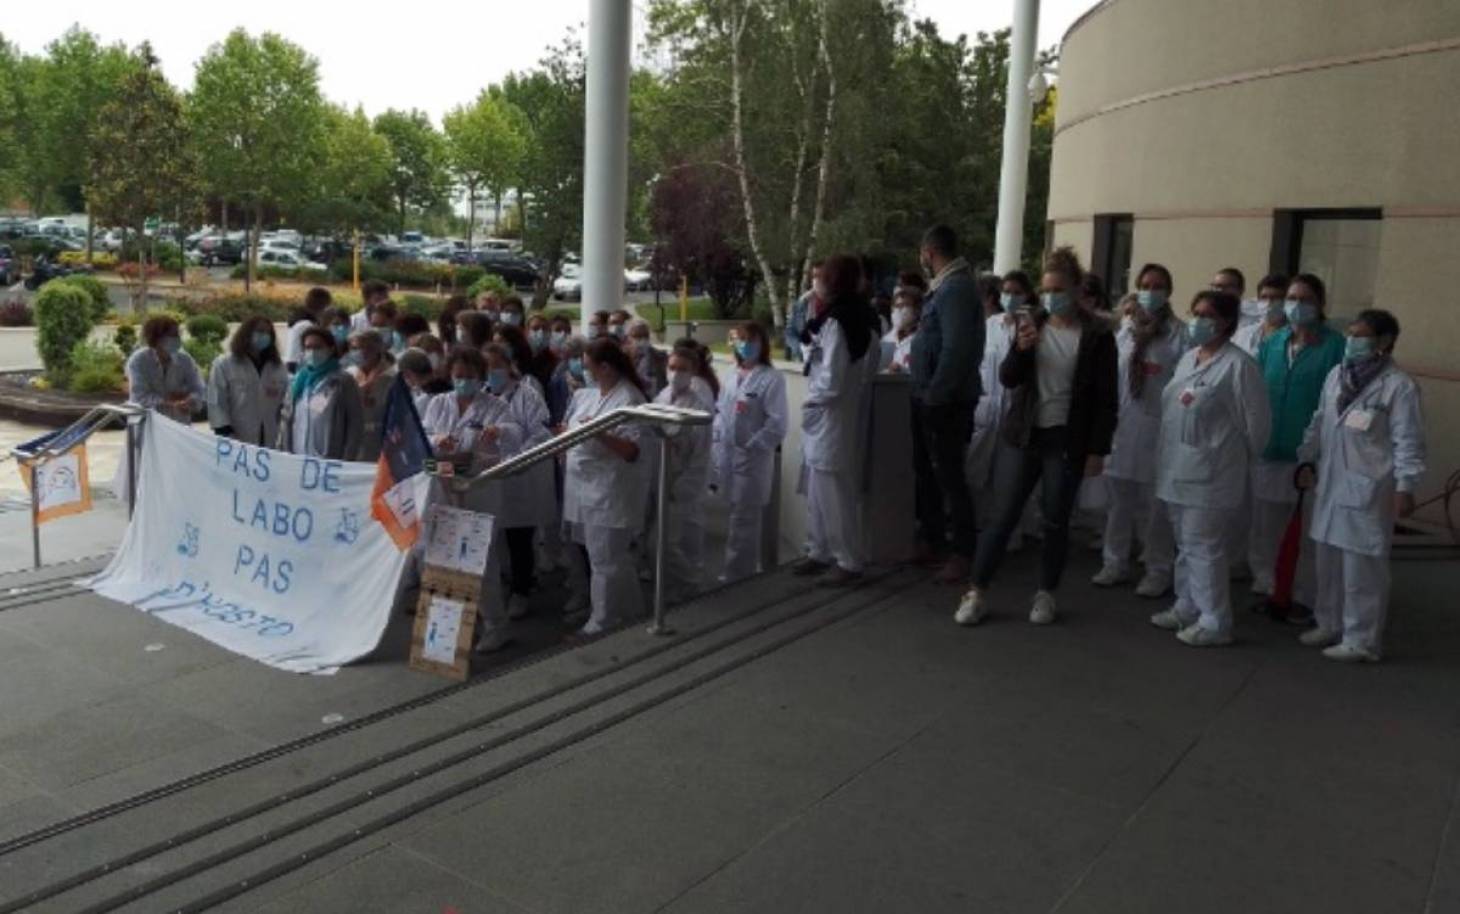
x=636, y=280
x=288, y=260
x=569, y=284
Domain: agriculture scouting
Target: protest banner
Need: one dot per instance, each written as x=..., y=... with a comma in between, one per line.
x=271, y=555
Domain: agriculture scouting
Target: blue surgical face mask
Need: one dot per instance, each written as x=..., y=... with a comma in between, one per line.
x=575, y=368
x=340, y=332
x=498, y=379
x=466, y=387
x=617, y=330
x=317, y=357
x=558, y=339
x=1009, y=301
x=387, y=337
x=1203, y=330
x=1153, y=300
x=511, y=318
x=1057, y=303
x=1358, y=348
x=262, y=340
x=352, y=359
x=1276, y=312
x=748, y=350
x=1300, y=313
x=537, y=339
x=171, y=344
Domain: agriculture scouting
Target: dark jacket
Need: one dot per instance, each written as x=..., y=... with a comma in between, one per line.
x=1094, y=400
x=948, y=347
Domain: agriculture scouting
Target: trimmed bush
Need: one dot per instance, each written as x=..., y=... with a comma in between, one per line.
x=125, y=336
x=95, y=289
x=203, y=351
x=101, y=260
x=63, y=319
x=207, y=327
x=96, y=368
x=489, y=282
x=427, y=306
x=16, y=313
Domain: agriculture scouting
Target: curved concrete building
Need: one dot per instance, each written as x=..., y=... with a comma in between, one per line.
x=1276, y=135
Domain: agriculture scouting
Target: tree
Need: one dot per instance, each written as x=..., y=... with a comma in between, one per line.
x=486, y=146
x=550, y=192
x=260, y=119
x=149, y=167
x=12, y=125
x=352, y=189
x=418, y=161
x=691, y=213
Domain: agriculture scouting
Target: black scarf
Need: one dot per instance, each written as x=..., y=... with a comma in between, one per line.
x=857, y=318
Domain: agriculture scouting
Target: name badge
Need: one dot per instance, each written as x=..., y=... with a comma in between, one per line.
x=1359, y=419
x=318, y=403
x=1188, y=397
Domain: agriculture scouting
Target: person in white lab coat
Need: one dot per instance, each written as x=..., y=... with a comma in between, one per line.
x=1214, y=424
x=161, y=375
x=832, y=446
x=414, y=365
x=1368, y=441
x=689, y=472
x=475, y=429
x=1270, y=294
x=246, y=385
x=374, y=373
x=374, y=293
x=316, y=302
x=322, y=416
x=529, y=501
x=605, y=491
x=897, y=344
x=750, y=423
x=1249, y=338
x=1150, y=343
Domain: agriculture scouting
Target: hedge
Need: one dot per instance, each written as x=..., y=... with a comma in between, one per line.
x=100, y=304
x=207, y=327
x=101, y=260
x=96, y=368
x=63, y=319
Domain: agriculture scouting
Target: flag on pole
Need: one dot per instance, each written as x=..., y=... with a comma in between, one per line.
x=62, y=480
x=403, y=454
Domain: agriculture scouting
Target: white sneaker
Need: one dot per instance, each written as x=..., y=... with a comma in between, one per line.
x=970, y=608
x=1153, y=586
x=1168, y=620
x=1347, y=653
x=1110, y=576
x=1196, y=636
x=1262, y=587
x=1042, y=612
x=518, y=606
x=1319, y=637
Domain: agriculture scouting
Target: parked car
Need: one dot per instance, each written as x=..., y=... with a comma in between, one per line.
x=569, y=284
x=517, y=270
x=9, y=266
x=638, y=280
x=385, y=252
x=214, y=250
x=288, y=260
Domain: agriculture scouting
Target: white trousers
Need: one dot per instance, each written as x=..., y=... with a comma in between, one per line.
x=610, y=578
x=1269, y=521
x=1202, y=576
x=1353, y=594
x=833, y=529
x=1133, y=511
x=742, y=546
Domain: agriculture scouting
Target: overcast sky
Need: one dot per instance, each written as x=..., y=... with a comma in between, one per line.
x=431, y=57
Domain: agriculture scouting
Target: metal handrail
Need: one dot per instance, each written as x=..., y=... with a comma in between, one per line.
x=655, y=414
x=78, y=432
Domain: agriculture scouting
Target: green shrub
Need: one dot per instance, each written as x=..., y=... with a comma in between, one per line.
x=427, y=306
x=63, y=319
x=165, y=255
x=16, y=313
x=207, y=327
x=95, y=289
x=489, y=282
x=266, y=271
x=125, y=336
x=96, y=368
x=203, y=351
x=233, y=308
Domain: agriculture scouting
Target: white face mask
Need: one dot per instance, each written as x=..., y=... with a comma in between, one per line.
x=818, y=289
x=902, y=318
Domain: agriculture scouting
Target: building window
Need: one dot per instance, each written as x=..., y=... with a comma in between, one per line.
x=1110, y=254
x=1339, y=246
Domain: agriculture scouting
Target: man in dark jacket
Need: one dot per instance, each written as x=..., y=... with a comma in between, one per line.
x=945, y=387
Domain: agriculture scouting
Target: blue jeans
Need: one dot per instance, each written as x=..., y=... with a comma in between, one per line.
x=1015, y=473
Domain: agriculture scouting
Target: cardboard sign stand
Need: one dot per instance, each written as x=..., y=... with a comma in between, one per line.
x=451, y=586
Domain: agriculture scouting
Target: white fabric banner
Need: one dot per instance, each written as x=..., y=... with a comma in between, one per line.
x=267, y=554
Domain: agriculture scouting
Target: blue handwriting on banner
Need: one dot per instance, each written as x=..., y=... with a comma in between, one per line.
x=218, y=609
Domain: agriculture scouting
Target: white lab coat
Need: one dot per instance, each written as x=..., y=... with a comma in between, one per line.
x=325, y=421
x=993, y=397
x=750, y=423
x=831, y=416
x=149, y=384
x=1365, y=454
x=374, y=392
x=530, y=499
x=294, y=342
x=1132, y=456
x=1249, y=337
x=1214, y=424
x=897, y=353
x=689, y=482
x=445, y=419
x=246, y=398
x=599, y=488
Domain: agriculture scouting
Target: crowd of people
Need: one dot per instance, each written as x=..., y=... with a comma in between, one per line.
x=1183, y=435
